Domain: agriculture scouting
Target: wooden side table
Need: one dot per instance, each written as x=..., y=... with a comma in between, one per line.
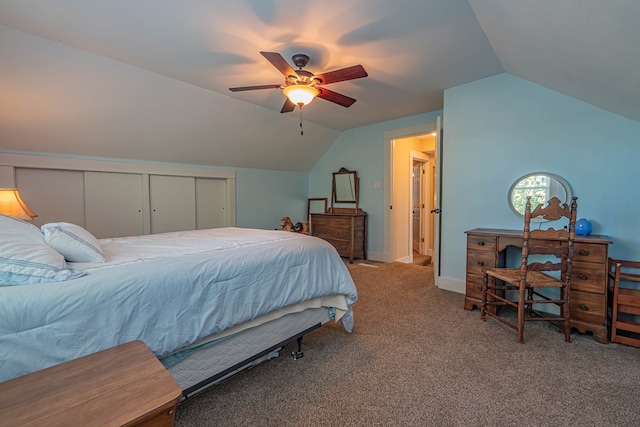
x=122, y=386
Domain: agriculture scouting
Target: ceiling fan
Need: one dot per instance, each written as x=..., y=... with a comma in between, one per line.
x=301, y=86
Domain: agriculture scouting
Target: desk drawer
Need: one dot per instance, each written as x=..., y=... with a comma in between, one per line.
x=482, y=243
x=588, y=307
x=586, y=252
x=588, y=277
x=474, y=281
x=477, y=260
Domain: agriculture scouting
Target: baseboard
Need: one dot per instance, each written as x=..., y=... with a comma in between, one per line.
x=376, y=256
x=449, y=284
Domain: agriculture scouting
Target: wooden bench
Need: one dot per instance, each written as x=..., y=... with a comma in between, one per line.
x=122, y=386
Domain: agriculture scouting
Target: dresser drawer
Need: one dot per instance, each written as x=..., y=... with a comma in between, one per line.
x=586, y=252
x=482, y=243
x=342, y=246
x=588, y=277
x=588, y=307
x=346, y=232
x=331, y=233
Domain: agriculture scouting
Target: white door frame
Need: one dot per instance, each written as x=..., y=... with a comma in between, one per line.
x=389, y=138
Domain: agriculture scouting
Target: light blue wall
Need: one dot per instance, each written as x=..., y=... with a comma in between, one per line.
x=362, y=149
x=263, y=197
x=499, y=128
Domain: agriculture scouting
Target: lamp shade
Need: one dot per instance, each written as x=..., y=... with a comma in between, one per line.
x=12, y=205
x=300, y=94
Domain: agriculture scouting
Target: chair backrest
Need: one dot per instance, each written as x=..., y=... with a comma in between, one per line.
x=549, y=241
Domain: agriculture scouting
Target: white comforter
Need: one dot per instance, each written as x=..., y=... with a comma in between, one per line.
x=170, y=290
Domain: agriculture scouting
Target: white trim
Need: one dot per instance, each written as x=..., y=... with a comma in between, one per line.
x=68, y=163
x=389, y=137
x=449, y=284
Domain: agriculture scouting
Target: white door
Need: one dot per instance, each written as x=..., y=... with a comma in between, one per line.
x=172, y=201
x=419, y=193
x=113, y=204
x=211, y=203
x=416, y=206
x=54, y=195
x=437, y=201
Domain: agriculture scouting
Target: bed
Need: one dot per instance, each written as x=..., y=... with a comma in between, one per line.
x=207, y=303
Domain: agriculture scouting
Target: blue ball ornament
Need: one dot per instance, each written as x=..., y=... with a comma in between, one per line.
x=583, y=227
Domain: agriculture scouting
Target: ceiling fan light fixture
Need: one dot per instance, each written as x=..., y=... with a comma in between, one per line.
x=300, y=94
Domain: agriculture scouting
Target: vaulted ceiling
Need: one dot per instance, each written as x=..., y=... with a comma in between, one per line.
x=149, y=79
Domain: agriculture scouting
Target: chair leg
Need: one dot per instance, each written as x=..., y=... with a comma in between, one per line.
x=566, y=314
x=483, y=308
x=521, y=309
x=529, y=306
x=614, y=314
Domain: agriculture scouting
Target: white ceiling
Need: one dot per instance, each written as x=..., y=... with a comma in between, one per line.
x=411, y=49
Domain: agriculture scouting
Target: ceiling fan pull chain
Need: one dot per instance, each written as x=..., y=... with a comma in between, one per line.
x=301, y=130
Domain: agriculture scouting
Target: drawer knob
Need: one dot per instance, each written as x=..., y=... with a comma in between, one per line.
x=481, y=243
x=583, y=277
x=583, y=252
x=583, y=307
x=481, y=264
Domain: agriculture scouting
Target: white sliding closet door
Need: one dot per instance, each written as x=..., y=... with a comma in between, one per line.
x=211, y=203
x=114, y=204
x=172, y=200
x=54, y=195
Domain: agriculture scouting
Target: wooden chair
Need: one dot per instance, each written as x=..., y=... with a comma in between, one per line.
x=624, y=286
x=532, y=276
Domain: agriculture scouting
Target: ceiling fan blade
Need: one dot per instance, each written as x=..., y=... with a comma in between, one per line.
x=280, y=63
x=349, y=73
x=288, y=106
x=240, y=89
x=336, y=97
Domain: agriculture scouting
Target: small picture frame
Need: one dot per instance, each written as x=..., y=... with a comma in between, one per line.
x=316, y=205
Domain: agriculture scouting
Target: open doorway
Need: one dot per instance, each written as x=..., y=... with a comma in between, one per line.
x=404, y=150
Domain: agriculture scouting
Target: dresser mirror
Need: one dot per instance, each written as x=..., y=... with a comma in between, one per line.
x=541, y=186
x=345, y=186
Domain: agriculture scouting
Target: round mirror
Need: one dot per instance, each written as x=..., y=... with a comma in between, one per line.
x=541, y=186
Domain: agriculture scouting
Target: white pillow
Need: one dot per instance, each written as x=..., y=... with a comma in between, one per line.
x=74, y=242
x=25, y=258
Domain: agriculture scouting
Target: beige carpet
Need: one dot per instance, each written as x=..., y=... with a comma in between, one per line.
x=416, y=358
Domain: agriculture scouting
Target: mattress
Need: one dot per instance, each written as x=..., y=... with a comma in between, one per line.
x=170, y=290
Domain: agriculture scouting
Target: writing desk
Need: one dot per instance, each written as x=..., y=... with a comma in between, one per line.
x=487, y=248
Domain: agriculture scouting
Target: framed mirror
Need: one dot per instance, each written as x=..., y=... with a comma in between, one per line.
x=345, y=186
x=541, y=186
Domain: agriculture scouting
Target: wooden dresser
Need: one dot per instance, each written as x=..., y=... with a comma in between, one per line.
x=588, y=301
x=121, y=386
x=345, y=229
